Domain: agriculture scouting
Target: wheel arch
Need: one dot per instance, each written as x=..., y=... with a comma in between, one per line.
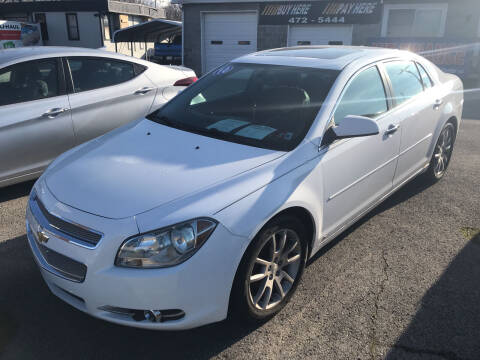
x=298, y=211
x=453, y=119
x=305, y=216
x=441, y=124
x=301, y=213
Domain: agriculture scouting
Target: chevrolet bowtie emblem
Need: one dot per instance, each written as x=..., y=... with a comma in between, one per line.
x=42, y=236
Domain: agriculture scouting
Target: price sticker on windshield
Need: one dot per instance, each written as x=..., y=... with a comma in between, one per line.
x=258, y=132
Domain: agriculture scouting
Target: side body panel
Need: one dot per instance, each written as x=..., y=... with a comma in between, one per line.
x=356, y=173
x=98, y=111
x=29, y=141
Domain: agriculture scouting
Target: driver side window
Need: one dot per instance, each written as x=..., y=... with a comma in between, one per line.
x=364, y=96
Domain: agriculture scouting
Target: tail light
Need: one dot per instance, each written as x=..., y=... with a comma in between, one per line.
x=186, y=81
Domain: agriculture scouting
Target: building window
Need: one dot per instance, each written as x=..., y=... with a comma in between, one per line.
x=72, y=27
x=42, y=20
x=114, y=22
x=414, y=20
x=107, y=35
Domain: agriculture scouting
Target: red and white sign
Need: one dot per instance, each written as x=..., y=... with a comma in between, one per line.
x=17, y=34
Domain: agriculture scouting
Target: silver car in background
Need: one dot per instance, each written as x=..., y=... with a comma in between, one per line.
x=54, y=98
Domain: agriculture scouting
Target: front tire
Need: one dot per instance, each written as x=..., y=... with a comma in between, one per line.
x=270, y=270
x=441, y=154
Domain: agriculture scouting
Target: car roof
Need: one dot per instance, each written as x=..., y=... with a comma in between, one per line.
x=8, y=56
x=325, y=57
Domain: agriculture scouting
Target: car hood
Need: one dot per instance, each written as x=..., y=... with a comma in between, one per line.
x=145, y=165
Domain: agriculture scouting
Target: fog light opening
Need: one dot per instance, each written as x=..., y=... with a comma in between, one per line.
x=153, y=315
x=156, y=316
x=163, y=315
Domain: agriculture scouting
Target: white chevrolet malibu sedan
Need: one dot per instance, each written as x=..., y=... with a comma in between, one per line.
x=213, y=204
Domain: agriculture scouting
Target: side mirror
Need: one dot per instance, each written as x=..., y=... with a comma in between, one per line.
x=350, y=126
x=355, y=126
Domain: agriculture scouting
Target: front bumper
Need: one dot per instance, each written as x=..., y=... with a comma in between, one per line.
x=200, y=287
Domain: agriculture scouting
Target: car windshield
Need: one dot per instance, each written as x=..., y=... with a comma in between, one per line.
x=266, y=106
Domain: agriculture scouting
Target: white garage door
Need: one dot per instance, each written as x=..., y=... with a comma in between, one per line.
x=227, y=36
x=320, y=35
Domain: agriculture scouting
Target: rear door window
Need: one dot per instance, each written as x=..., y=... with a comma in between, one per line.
x=94, y=73
x=28, y=81
x=405, y=79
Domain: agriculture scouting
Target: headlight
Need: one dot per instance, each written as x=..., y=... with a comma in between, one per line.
x=165, y=247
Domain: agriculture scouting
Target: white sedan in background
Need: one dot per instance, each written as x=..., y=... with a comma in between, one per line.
x=54, y=98
x=216, y=201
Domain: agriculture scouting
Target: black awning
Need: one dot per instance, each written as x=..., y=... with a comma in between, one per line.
x=151, y=31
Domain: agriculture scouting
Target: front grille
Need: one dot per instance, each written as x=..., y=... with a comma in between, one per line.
x=67, y=228
x=67, y=267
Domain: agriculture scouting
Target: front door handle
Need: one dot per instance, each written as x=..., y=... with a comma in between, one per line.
x=392, y=129
x=143, y=90
x=53, y=112
x=437, y=104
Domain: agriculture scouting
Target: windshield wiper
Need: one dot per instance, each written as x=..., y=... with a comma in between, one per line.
x=164, y=120
x=212, y=132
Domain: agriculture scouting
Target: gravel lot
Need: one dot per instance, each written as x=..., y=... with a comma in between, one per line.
x=402, y=283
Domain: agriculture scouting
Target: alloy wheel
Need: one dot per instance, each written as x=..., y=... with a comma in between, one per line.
x=443, y=151
x=275, y=269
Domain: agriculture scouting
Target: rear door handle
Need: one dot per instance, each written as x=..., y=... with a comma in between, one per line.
x=392, y=129
x=143, y=90
x=437, y=104
x=53, y=112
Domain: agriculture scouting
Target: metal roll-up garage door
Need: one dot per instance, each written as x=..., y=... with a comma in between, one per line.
x=320, y=35
x=227, y=35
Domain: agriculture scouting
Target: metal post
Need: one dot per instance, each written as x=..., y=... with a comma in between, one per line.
x=131, y=48
x=146, y=50
x=183, y=36
x=116, y=49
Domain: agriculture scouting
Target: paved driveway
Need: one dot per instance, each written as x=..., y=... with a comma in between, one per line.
x=402, y=283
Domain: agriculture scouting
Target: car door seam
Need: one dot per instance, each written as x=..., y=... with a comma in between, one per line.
x=327, y=238
x=361, y=178
x=261, y=187
x=412, y=146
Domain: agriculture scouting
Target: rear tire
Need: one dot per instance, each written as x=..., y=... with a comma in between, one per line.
x=270, y=270
x=442, y=154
